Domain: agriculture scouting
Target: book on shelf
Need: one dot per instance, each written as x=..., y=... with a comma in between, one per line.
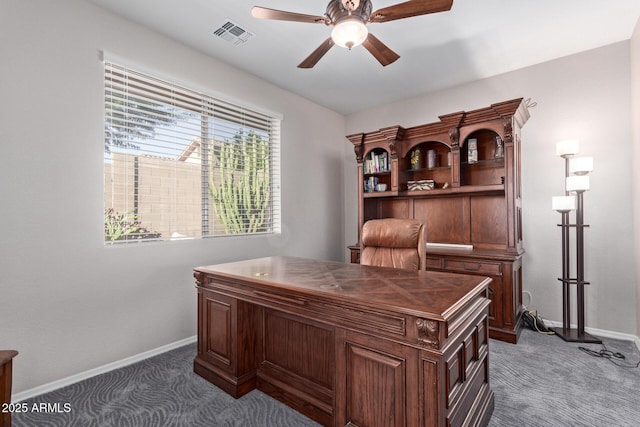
x=370, y=184
x=375, y=163
x=472, y=151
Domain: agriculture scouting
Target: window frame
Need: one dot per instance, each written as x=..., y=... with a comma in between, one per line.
x=222, y=123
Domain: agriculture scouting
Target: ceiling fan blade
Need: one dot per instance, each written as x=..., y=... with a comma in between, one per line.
x=410, y=8
x=317, y=54
x=379, y=50
x=281, y=15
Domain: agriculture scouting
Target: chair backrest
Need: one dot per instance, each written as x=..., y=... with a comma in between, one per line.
x=394, y=242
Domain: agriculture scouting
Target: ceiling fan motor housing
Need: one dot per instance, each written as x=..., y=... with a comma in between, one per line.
x=339, y=9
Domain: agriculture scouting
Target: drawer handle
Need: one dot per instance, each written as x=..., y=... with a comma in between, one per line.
x=469, y=267
x=280, y=298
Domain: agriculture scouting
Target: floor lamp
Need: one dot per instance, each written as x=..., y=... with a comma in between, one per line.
x=576, y=183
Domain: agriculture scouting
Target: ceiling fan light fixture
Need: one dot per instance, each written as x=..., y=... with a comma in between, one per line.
x=349, y=32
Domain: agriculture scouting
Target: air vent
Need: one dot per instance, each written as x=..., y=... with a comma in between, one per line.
x=233, y=33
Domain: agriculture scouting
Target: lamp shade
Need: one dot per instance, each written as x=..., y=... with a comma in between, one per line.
x=581, y=165
x=568, y=147
x=563, y=203
x=349, y=32
x=578, y=183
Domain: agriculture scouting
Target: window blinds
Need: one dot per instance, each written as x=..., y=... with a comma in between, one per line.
x=182, y=164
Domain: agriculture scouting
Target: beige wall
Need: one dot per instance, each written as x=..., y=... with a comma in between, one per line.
x=635, y=99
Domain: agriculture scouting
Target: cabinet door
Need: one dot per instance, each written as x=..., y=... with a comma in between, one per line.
x=378, y=384
x=215, y=335
x=229, y=342
x=512, y=291
x=496, y=308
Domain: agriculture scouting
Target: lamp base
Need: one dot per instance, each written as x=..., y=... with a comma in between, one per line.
x=572, y=335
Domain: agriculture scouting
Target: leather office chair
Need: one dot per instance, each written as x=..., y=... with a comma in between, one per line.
x=394, y=242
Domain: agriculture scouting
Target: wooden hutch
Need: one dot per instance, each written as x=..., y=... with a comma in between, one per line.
x=469, y=199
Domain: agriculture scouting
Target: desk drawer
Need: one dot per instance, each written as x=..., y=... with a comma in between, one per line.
x=473, y=266
x=434, y=263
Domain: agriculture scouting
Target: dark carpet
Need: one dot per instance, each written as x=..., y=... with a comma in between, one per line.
x=541, y=381
x=545, y=381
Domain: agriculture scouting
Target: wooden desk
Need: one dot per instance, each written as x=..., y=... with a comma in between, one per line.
x=6, y=361
x=347, y=344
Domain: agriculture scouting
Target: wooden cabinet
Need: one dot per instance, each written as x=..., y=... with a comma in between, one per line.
x=6, y=362
x=505, y=289
x=461, y=177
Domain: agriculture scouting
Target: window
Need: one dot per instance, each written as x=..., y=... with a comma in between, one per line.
x=181, y=164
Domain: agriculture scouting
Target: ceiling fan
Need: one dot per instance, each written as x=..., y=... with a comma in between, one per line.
x=349, y=19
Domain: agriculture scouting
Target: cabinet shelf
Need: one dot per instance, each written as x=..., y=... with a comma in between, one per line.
x=381, y=173
x=491, y=188
x=379, y=194
x=411, y=171
x=434, y=192
x=468, y=189
x=488, y=163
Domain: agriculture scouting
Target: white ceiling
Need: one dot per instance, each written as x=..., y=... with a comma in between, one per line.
x=476, y=39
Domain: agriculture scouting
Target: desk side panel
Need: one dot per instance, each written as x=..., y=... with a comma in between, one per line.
x=229, y=342
x=465, y=398
x=377, y=382
x=298, y=367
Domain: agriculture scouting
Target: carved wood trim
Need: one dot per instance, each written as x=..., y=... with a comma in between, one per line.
x=357, y=140
x=393, y=135
x=200, y=278
x=454, y=137
x=507, y=125
x=428, y=333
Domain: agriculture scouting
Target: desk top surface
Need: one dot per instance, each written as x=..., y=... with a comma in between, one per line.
x=414, y=292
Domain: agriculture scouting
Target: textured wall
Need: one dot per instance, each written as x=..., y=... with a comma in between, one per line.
x=635, y=100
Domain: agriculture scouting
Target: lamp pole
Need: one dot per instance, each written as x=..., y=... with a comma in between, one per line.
x=578, y=184
x=566, y=272
x=580, y=261
x=566, y=257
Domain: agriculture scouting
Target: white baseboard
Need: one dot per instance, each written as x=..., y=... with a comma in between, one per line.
x=600, y=333
x=36, y=391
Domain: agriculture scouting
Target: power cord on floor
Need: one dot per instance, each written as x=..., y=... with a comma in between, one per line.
x=533, y=321
x=612, y=356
